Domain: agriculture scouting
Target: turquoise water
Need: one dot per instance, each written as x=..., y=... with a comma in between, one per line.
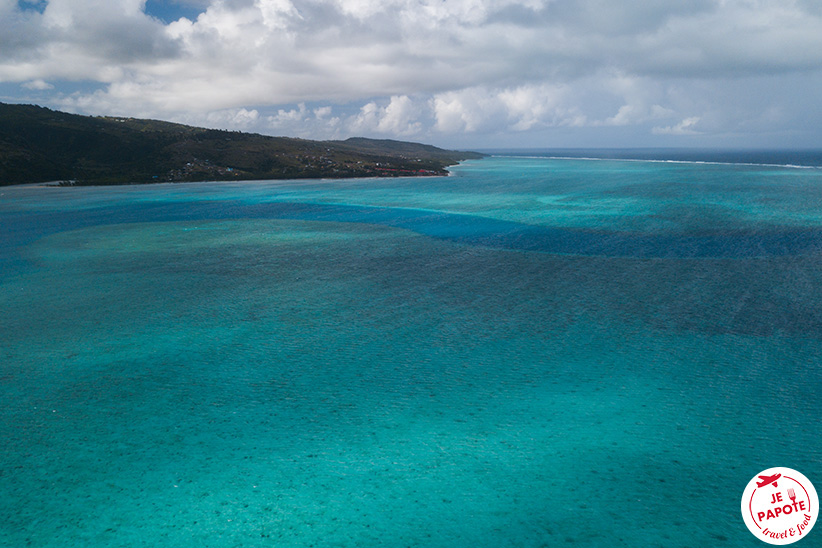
x=532, y=352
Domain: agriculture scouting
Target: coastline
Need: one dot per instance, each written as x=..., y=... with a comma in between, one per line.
x=70, y=184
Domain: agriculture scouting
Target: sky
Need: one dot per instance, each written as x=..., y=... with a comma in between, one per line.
x=455, y=73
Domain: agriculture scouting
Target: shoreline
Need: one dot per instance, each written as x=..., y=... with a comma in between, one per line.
x=70, y=184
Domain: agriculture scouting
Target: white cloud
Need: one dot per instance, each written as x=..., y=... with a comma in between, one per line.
x=422, y=67
x=470, y=109
x=685, y=127
x=400, y=117
x=286, y=117
x=40, y=85
x=240, y=118
x=322, y=112
x=533, y=106
x=277, y=13
x=516, y=109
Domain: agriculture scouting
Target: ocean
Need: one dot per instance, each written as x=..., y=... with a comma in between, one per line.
x=547, y=348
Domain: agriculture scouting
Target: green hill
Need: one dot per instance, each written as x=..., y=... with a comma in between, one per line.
x=38, y=144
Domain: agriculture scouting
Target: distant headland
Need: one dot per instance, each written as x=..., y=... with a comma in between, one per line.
x=40, y=145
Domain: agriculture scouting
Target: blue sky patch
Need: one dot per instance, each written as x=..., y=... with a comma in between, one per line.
x=168, y=11
x=32, y=5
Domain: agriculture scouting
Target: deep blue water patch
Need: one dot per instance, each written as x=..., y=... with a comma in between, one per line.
x=20, y=229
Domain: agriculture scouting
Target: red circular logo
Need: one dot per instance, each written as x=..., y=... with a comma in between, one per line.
x=780, y=506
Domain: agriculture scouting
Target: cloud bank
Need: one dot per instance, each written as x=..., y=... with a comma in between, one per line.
x=432, y=69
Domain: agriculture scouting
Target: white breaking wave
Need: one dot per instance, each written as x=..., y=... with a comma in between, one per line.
x=653, y=161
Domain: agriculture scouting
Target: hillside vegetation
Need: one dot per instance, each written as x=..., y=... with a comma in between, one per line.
x=38, y=144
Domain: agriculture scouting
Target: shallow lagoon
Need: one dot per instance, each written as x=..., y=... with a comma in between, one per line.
x=409, y=362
